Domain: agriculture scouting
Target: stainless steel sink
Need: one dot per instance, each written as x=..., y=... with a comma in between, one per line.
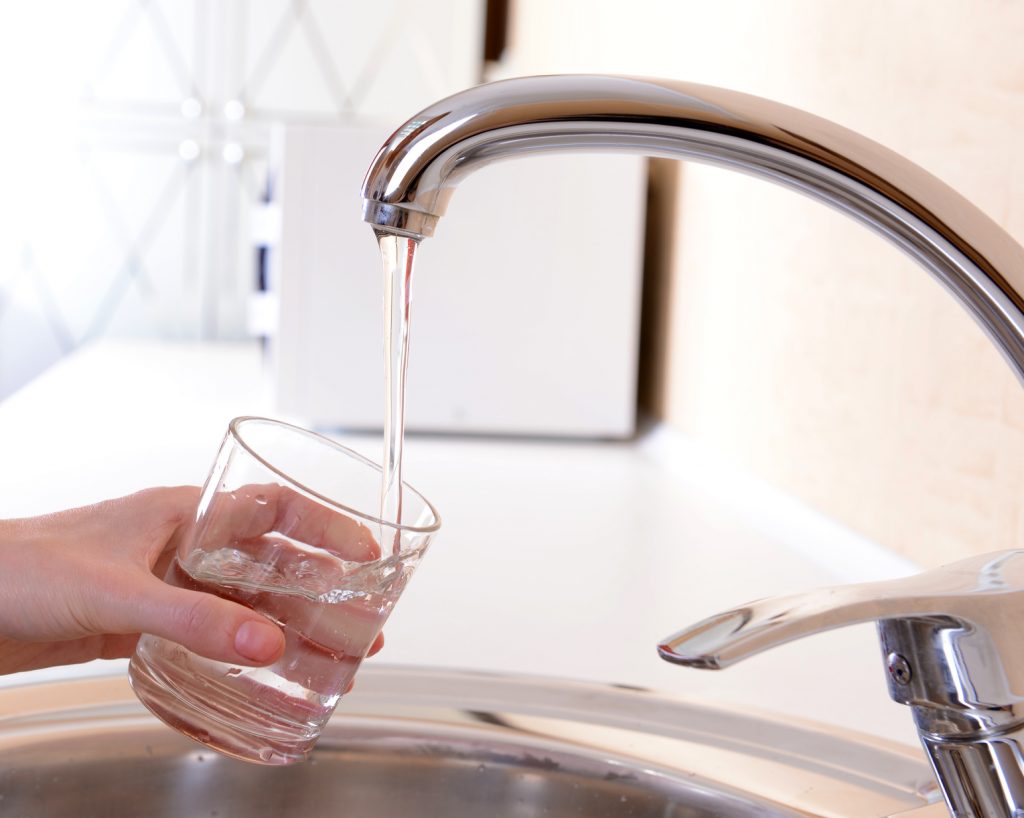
x=418, y=742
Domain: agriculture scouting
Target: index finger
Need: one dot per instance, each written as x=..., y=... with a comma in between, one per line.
x=257, y=510
x=303, y=519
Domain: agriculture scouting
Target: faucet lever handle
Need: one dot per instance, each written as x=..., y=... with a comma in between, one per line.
x=952, y=642
x=972, y=593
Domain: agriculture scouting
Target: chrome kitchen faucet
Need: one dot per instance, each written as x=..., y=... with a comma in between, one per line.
x=949, y=636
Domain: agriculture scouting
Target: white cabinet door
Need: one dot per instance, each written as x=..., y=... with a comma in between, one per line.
x=525, y=303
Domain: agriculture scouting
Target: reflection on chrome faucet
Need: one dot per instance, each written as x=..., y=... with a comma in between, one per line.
x=948, y=636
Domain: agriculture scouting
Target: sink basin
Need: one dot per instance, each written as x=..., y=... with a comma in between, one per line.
x=422, y=742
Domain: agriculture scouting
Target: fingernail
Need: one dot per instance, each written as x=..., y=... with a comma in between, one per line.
x=258, y=641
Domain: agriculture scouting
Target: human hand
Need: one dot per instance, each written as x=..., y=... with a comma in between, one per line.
x=83, y=584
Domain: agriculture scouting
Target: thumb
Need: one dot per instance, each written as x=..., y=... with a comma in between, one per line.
x=208, y=625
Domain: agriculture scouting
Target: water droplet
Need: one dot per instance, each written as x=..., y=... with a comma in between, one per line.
x=480, y=768
x=261, y=499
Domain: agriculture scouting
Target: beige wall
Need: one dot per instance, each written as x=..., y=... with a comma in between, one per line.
x=800, y=344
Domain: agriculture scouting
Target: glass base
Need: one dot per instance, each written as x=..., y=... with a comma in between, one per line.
x=191, y=719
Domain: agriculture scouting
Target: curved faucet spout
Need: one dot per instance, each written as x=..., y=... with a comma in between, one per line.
x=411, y=179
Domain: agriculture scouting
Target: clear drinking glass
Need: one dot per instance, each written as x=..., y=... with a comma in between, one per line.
x=287, y=525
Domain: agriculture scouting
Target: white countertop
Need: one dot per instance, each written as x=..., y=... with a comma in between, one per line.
x=562, y=558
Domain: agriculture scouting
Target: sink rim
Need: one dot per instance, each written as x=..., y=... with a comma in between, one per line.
x=793, y=766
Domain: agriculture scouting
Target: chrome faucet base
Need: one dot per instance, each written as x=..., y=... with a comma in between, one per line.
x=948, y=639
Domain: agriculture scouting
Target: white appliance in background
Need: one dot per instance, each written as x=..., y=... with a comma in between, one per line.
x=525, y=315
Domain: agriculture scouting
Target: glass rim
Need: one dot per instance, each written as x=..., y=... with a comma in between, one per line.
x=234, y=430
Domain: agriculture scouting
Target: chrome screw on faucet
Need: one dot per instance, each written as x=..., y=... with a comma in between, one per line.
x=955, y=630
x=899, y=669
